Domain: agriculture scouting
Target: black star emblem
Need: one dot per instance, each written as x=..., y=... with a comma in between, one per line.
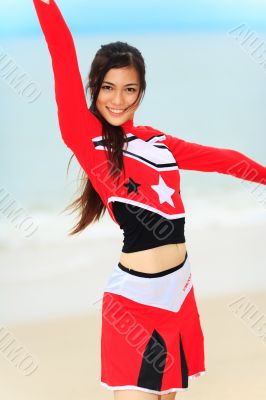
x=132, y=186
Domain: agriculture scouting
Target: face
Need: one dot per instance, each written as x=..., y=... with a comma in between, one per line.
x=119, y=90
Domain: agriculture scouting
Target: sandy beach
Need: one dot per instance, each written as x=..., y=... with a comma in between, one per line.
x=67, y=351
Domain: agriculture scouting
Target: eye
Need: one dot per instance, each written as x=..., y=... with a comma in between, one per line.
x=105, y=86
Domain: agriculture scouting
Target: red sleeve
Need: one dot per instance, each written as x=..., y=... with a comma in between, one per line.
x=77, y=124
x=197, y=157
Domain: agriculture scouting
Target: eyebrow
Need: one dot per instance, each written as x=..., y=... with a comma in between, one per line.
x=129, y=84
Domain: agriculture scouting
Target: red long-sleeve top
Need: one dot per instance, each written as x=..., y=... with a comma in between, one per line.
x=152, y=159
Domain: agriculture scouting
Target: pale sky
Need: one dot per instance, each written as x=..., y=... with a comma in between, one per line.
x=17, y=17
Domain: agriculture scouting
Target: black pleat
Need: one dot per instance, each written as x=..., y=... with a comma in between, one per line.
x=153, y=363
x=184, y=369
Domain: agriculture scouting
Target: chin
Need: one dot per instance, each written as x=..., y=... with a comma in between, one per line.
x=116, y=121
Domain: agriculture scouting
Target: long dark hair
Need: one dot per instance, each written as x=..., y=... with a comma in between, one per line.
x=89, y=205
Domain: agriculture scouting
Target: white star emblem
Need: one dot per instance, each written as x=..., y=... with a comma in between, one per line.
x=164, y=192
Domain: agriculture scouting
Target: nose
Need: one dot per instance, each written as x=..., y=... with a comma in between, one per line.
x=117, y=99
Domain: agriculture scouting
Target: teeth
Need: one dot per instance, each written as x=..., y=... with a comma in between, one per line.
x=115, y=110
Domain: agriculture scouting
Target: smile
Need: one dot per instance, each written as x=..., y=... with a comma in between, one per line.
x=115, y=111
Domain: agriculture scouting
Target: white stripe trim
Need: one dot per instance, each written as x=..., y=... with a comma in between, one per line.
x=149, y=390
x=158, y=137
x=100, y=137
x=142, y=389
x=142, y=156
x=198, y=374
x=159, y=168
x=146, y=206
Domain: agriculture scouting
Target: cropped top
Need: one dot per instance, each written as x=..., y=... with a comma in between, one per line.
x=144, y=229
x=146, y=201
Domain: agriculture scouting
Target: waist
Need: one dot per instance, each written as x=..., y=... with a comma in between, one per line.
x=156, y=259
x=166, y=289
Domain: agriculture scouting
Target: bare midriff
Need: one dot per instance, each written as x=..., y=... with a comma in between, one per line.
x=156, y=259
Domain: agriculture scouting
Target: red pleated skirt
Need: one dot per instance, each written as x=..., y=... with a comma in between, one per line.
x=151, y=335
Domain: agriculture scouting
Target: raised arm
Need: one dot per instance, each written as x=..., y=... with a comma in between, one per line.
x=197, y=157
x=77, y=124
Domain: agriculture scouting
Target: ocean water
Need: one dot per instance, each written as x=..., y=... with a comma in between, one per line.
x=200, y=87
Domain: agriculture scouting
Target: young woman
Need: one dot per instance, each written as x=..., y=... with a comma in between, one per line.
x=151, y=340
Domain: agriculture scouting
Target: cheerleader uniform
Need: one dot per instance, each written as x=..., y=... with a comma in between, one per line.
x=151, y=336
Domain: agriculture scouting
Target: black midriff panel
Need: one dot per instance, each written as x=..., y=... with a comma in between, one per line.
x=144, y=229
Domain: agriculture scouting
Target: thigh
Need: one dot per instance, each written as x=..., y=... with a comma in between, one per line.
x=169, y=396
x=134, y=395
